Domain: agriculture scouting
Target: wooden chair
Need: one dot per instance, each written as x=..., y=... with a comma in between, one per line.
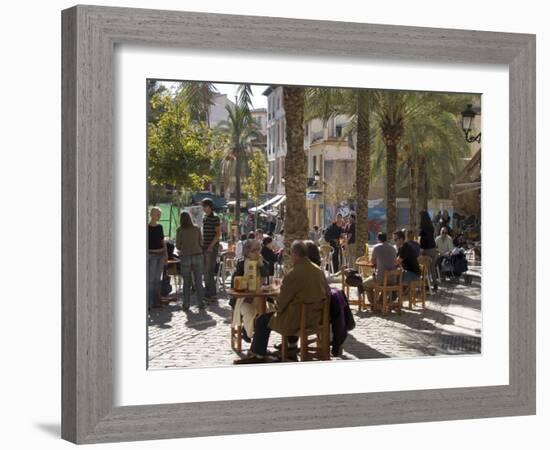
x=236, y=335
x=320, y=330
x=427, y=262
x=360, y=300
x=226, y=267
x=419, y=286
x=393, y=283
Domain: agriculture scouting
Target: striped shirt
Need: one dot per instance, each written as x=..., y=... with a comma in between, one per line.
x=209, y=224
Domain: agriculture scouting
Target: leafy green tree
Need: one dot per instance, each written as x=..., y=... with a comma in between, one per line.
x=179, y=149
x=255, y=183
x=153, y=87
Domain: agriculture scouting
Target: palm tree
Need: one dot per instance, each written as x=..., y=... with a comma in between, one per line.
x=433, y=149
x=242, y=131
x=296, y=224
x=392, y=108
x=199, y=96
x=362, y=168
x=357, y=104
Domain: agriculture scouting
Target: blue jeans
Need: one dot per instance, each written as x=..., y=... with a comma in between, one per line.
x=154, y=273
x=409, y=276
x=210, y=271
x=192, y=265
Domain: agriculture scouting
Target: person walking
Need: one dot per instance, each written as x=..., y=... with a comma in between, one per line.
x=427, y=243
x=189, y=245
x=157, y=257
x=211, y=232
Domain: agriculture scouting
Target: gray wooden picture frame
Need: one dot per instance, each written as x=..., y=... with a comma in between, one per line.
x=90, y=34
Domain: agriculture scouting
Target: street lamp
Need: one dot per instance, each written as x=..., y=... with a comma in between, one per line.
x=467, y=117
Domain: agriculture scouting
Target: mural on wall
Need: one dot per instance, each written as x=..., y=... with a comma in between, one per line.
x=377, y=216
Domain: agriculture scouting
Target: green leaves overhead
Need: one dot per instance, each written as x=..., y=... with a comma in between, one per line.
x=180, y=149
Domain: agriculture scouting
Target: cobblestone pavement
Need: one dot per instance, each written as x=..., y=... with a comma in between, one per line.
x=450, y=324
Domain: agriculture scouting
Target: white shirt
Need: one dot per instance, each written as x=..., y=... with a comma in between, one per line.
x=239, y=250
x=444, y=244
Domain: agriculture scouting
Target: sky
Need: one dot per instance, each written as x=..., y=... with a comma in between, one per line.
x=258, y=100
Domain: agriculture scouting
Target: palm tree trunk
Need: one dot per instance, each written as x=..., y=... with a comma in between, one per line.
x=413, y=192
x=238, y=187
x=362, y=171
x=422, y=184
x=391, y=175
x=296, y=223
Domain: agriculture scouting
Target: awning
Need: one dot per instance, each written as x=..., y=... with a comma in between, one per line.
x=280, y=201
x=232, y=203
x=270, y=202
x=219, y=202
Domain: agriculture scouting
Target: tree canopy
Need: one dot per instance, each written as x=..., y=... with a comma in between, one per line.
x=180, y=150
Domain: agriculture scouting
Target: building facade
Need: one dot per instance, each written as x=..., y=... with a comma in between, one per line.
x=276, y=140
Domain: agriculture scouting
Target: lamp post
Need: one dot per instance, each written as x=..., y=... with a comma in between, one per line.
x=468, y=116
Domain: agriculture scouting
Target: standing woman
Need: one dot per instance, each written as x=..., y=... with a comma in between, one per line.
x=189, y=245
x=427, y=243
x=157, y=257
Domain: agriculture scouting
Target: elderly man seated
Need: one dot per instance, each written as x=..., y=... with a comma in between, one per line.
x=305, y=283
x=383, y=258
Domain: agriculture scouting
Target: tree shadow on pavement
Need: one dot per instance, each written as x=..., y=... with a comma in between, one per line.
x=360, y=350
x=418, y=319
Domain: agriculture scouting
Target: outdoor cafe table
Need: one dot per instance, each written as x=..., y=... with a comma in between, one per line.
x=366, y=268
x=261, y=296
x=260, y=302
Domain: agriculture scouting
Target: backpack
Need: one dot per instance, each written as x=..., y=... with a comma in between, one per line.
x=354, y=279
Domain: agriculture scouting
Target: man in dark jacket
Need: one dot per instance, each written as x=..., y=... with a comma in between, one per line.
x=332, y=236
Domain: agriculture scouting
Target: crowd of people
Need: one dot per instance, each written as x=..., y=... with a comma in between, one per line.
x=198, y=255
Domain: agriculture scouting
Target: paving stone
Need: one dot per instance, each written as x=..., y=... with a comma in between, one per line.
x=450, y=325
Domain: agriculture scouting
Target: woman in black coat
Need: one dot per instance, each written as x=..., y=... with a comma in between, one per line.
x=427, y=243
x=269, y=256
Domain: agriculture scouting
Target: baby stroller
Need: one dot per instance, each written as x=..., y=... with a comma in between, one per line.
x=455, y=265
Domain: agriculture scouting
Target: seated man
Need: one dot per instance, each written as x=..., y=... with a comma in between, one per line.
x=305, y=283
x=444, y=244
x=383, y=258
x=406, y=258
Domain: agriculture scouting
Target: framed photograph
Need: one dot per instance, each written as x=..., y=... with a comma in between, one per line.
x=197, y=125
